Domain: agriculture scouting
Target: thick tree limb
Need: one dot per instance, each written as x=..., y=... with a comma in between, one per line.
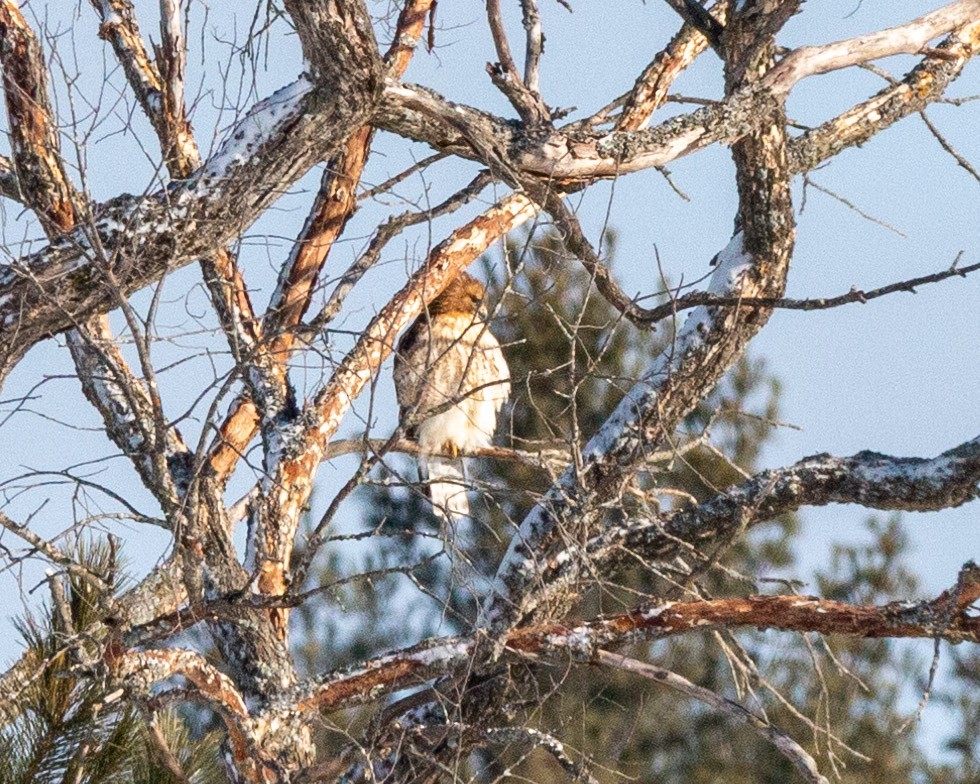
x=697, y=18
x=922, y=85
x=338, y=41
x=163, y=231
x=131, y=418
x=947, y=617
x=129, y=408
x=138, y=672
x=33, y=133
x=413, y=111
x=910, y=38
x=650, y=90
x=868, y=479
x=9, y=186
x=425, y=116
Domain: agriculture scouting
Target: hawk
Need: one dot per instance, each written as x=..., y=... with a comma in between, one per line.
x=450, y=364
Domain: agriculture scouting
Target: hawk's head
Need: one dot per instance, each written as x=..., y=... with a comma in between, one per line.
x=463, y=296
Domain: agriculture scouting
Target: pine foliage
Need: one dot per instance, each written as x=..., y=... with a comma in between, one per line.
x=70, y=729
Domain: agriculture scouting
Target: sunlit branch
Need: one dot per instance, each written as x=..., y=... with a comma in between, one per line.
x=948, y=617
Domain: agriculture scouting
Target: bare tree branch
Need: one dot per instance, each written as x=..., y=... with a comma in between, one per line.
x=650, y=90
x=505, y=76
x=426, y=116
x=698, y=18
x=601, y=529
x=333, y=207
x=276, y=142
x=946, y=617
x=869, y=479
x=923, y=84
x=33, y=133
x=695, y=298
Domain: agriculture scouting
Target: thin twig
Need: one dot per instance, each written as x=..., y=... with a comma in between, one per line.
x=809, y=182
x=945, y=144
x=786, y=746
x=696, y=298
x=391, y=182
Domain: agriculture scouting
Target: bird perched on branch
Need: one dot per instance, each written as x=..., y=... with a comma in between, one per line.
x=451, y=380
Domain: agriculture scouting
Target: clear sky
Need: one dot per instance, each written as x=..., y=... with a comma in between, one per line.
x=899, y=375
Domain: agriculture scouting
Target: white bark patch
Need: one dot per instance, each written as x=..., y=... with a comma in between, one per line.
x=261, y=123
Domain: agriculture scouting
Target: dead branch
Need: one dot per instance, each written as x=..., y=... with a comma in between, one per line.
x=910, y=38
x=698, y=298
x=922, y=85
x=652, y=86
x=788, y=747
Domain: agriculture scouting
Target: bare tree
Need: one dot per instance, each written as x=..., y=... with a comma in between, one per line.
x=261, y=425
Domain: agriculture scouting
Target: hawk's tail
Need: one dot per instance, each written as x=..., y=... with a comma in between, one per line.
x=446, y=486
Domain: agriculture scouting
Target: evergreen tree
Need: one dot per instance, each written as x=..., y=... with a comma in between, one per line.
x=68, y=731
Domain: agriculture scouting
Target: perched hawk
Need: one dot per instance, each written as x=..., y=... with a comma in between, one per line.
x=448, y=363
